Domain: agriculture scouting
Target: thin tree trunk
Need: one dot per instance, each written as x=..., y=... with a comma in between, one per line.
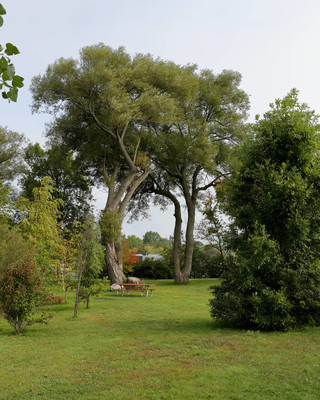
x=88, y=298
x=190, y=195
x=86, y=243
x=189, y=243
x=77, y=294
x=178, y=278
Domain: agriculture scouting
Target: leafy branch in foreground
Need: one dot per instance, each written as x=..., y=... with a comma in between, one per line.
x=9, y=81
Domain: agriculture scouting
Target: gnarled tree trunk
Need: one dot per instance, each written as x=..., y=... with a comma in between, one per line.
x=118, y=200
x=113, y=259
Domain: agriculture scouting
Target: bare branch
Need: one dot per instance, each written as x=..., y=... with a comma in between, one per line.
x=124, y=130
x=136, y=150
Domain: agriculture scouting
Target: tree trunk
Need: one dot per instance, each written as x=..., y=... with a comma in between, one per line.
x=189, y=243
x=18, y=326
x=114, y=263
x=118, y=199
x=178, y=278
x=76, y=303
x=88, y=298
x=177, y=244
x=190, y=195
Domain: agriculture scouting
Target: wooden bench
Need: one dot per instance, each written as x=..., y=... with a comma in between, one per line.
x=135, y=287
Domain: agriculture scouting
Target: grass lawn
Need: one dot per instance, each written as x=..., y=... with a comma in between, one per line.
x=161, y=347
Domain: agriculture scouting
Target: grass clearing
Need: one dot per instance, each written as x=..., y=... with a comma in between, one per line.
x=161, y=347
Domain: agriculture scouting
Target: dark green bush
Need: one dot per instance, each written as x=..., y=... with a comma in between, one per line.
x=152, y=269
x=274, y=201
x=207, y=262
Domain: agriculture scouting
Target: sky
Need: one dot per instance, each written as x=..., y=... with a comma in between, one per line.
x=274, y=44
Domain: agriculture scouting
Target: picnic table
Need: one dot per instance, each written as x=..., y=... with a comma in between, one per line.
x=135, y=287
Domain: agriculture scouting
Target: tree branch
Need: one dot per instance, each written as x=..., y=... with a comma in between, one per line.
x=212, y=183
x=130, y=192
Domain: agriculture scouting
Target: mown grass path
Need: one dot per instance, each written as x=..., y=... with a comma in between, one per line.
x=161, y=347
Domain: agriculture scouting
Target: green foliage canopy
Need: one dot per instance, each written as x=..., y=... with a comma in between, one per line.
x=68, y=177
x=11, y=150
x=155, y=240
x=102, y=105
x=13, y=246
x=193, y=152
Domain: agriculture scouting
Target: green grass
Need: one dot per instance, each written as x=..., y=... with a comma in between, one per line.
x=161, y=347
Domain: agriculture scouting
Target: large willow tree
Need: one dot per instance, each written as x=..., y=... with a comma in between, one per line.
x=103, y=106
x=193, y=151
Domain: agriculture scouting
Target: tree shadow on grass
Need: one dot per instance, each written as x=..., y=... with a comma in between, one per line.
x=192, y=326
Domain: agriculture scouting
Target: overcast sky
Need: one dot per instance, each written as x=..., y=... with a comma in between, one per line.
x=274, y=44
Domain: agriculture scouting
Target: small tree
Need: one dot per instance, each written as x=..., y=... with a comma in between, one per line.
x=91, y=282
x=213, y=227
x=40, y=222
x=273, y=197
x=21, y=295
x=66, y=269
x=89, y=261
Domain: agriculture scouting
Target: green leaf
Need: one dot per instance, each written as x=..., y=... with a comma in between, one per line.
x=13, y=94
x=1, y=21
x=3, y=63
x=10, y=72
x=11, y=49
x=5, y=76
x=17, y=81
x=2, y=10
